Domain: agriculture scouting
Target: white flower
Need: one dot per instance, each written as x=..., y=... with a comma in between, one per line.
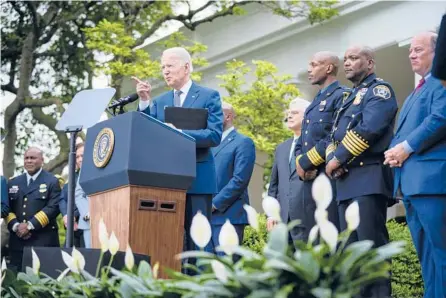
x=320, y=215
x=113, y=244
x=155, y=270
x=129, y=258
x=352, y=216
x=271, y=207
x=228, y=238
x=322, y=192
x=220, y=271
x=75, y=262
x=4, y=264
x=252, y=217
x=103, y=236
x=200, y=230
x=329, y=233
x=313, y=234
x=35, y=261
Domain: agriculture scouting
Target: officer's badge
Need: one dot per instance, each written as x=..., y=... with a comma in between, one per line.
x=382, y=91
x=103, y=147
x=42, y=188
x=322, y=105
x=14, y=189
x=359, y=96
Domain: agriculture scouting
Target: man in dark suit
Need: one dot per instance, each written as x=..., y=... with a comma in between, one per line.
x=316, y=129
x=362, y=131
x=418, y=155
x=177, y=67
x=285, y=184
x=439, y=65
x=34, y=205
x=234, y=163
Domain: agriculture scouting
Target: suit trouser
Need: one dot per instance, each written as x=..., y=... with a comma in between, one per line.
x=372, y=226
x=310, y=207
x=426, y=218
x=195, y=203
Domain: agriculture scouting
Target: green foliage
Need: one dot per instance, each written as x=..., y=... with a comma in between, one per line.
x=310, y=272
x=260, y=105
x=406, y=270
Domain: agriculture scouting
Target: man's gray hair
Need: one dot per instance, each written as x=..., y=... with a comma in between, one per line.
x=181, y=53
x=299, y=103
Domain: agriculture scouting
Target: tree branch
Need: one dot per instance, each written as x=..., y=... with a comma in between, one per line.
x=10, y=88
x=40, y=103
x=36, y=21
x=47, y=120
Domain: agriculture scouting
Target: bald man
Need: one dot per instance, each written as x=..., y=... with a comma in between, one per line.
x=316, y=129
x=362, y=132
x=234, y=164
x=34, y=205
x=418, y=155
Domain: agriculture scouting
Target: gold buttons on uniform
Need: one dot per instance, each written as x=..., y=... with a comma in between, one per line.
x=306, y=143
x=320, y=120
x=24, y=213
x=361, y=163
x=26, y=199
x=308, y=121
x=306, y=132
x=24, y=220
x=24, y=206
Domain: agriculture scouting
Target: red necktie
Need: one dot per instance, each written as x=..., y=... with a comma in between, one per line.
x=420, y=83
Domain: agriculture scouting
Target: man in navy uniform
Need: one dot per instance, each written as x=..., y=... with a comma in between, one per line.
x=34, y=205
x=234, y=163
x=362, y=132
x=177, y=68
x=316, y=128
x=418, y=155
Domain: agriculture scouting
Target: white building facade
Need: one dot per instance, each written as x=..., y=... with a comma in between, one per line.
x=386, y=26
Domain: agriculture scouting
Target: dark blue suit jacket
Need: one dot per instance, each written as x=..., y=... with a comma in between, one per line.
x=4, y=196
x=234, y=163
x=439, y=64
x=422, y=122
x=198, y=97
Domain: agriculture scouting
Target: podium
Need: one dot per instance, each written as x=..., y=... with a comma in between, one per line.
x=136, y=171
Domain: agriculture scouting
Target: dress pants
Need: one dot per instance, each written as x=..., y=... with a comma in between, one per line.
x=426, y=218
x=372, y=226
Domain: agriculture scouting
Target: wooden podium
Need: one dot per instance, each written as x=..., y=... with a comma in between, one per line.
x=136, y=171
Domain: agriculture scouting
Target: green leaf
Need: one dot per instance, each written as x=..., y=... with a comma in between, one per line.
x=197, y=254
x=310, y=265
x=321, y=292
x=278, y=240
x=284, y=291
x=144, y=270
x=352, y=253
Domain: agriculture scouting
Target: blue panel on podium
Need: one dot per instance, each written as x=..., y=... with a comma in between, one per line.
x=136, y=149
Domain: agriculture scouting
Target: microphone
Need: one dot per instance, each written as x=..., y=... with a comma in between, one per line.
x=124, y=100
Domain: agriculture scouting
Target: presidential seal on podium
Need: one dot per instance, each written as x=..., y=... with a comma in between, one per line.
x=103, y=147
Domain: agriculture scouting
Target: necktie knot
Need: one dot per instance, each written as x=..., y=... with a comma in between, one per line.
x=420, y=83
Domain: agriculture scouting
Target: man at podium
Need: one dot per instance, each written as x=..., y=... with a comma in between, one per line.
x=177, y=68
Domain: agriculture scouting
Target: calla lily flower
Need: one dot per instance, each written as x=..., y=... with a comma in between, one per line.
x=200, y=230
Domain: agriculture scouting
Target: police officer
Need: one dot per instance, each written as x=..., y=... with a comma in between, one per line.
x=316, y=128
x=34, y=205
x=362, y=132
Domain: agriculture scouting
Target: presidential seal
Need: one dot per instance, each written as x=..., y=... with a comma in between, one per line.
x=103, y=147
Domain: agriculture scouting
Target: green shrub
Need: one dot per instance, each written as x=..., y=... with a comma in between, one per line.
x=406, y=270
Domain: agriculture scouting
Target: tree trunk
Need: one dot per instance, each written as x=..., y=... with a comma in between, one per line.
x=26, y=70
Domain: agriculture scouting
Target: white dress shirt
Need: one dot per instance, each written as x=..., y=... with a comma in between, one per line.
x=226, y=133
x=184, y=91
x=28, y=176
x=293, y=146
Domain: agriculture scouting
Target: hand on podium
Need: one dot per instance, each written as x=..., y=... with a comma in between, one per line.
x=143, y=89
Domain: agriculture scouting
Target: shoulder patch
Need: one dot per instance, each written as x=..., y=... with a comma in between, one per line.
x=382, y=91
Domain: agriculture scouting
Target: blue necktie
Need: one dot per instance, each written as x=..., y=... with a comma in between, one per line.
x=177, y=99
x=293, y=157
